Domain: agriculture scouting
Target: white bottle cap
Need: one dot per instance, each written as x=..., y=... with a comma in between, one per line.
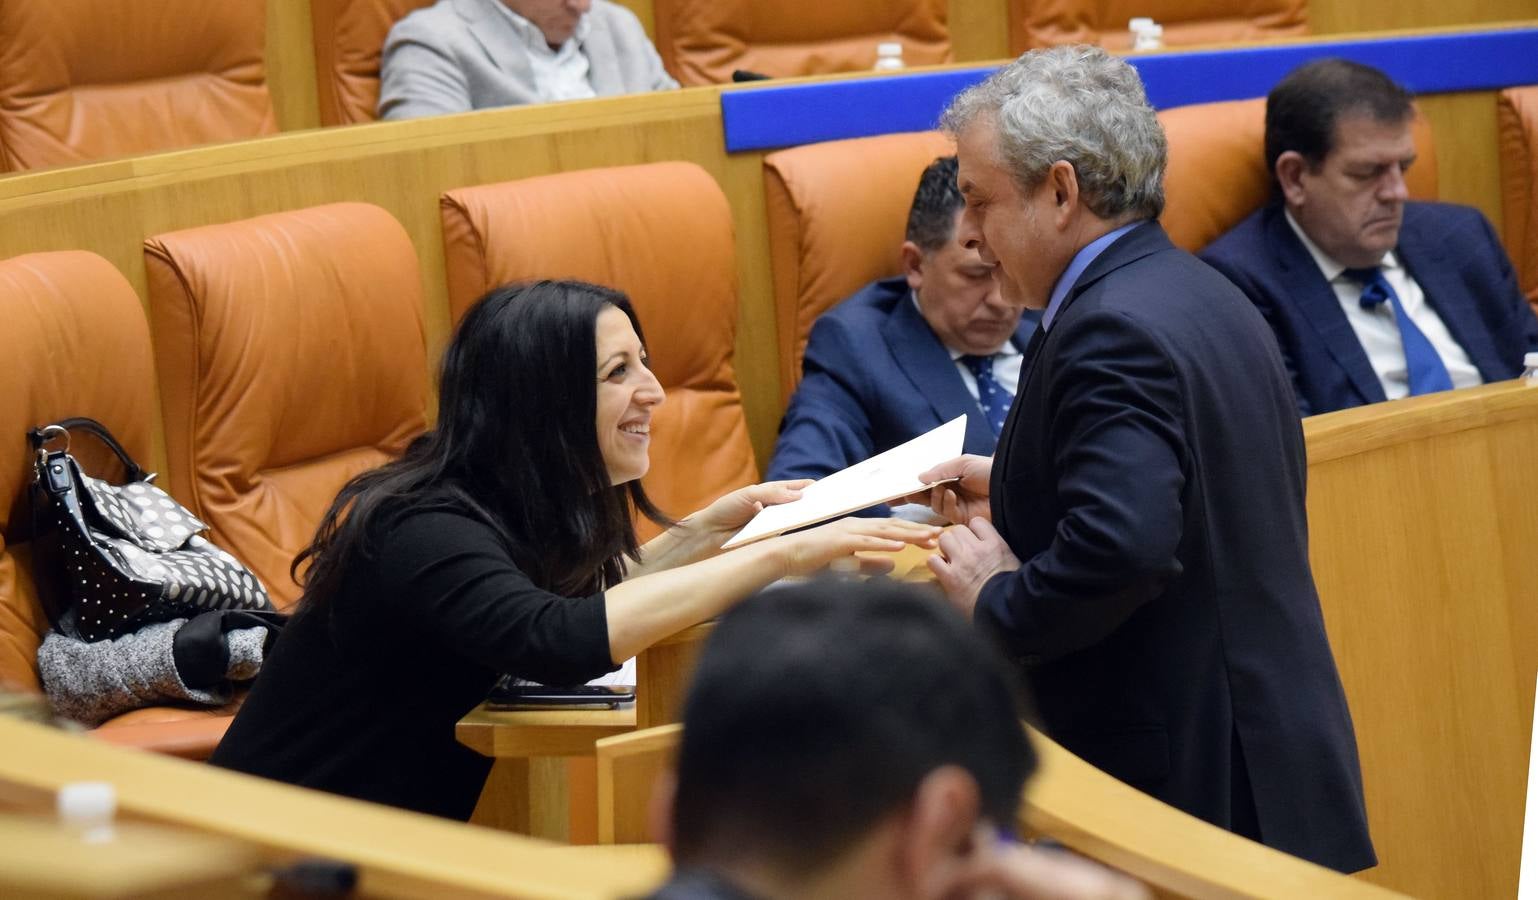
x=1139, y=23
x=1530, y=361
x=88, y=806
x=889, y=48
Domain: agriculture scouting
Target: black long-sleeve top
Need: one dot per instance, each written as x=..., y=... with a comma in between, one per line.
x=361, y=694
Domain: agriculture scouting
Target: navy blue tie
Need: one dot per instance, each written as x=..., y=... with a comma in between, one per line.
x=991, y=396
x=1423, y=365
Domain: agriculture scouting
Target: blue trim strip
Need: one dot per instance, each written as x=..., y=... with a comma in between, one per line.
x=761, y=118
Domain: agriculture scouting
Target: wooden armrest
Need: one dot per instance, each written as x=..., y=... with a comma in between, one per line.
x=1114, y=823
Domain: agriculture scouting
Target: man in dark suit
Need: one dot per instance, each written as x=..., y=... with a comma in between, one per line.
x=1372, y=297
x=904, y=354
x=1147, y=555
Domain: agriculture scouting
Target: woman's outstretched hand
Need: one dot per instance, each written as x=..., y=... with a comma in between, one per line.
x=808, y=551
x=733, y=510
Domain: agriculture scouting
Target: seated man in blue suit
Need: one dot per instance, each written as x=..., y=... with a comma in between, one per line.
x=906, y=354
x=1372, y=297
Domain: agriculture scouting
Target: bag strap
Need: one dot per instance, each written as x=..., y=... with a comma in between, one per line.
x=39, y=436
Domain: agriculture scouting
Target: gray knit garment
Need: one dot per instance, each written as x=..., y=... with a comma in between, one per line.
x=92, y=682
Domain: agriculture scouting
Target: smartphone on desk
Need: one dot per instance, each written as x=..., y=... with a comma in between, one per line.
x=541, y=696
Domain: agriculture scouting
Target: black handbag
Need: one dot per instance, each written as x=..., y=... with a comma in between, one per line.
x=112, y=558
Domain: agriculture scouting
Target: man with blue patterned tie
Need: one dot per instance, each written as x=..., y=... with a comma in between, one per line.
x=906, y=354
x=1372, y=297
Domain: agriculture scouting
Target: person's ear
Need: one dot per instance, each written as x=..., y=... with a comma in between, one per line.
x=1290, y=167
x=659, y=812
x=1063, y=181
x=913, y=264
x=937, y=836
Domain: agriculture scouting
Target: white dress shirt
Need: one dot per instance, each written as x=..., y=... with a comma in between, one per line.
x=559, y=74
x=1006, y=362
x=1376, y=329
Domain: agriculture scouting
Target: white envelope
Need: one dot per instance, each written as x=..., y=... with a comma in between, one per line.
x=885, y=476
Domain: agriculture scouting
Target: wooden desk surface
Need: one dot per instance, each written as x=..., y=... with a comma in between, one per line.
x=662, y=669
x=555, y=732
x=139, y=861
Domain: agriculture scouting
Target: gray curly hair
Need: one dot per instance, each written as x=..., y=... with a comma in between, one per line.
x=1078, y=104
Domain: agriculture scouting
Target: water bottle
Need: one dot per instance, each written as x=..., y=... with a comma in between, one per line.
x=889, y=56
x=1530, y=369
x=88, y=808
x=1146, y=34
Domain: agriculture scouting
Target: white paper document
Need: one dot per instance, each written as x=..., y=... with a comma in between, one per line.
x=885, y=476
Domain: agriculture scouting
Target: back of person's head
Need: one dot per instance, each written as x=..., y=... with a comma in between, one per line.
x=932, y=217
x=515, y=442
x=1079, y=104
x=817, y=711
x=1304, y=107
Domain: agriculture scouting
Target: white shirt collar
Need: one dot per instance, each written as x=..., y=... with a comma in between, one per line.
x=534, y=39
x=1009, y=348
x=1328, y=266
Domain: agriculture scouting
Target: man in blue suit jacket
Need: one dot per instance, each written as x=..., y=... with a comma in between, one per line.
x=1447, y=312
x=1139, y=540
x=893, y=361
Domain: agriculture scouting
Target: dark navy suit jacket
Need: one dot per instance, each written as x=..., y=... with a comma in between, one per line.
x=874, y=376
x=1151, y=478
x=1449, y=250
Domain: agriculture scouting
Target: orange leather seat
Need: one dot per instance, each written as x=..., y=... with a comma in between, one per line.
x=1045, y=23
x=291, y=357
x=662, y=233
x=837, y=213
x=703, y=41
x=348, y=37
x=1217, y=168
x=98, y=78
x=75, y=343
x=1517, y=114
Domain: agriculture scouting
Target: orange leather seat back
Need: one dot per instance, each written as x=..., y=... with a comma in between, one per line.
x=662, y=233
x=75, y=343
x=837, y=214
x=348, y=37
x=97, y=78
x=291, y=355
x=703, y=41
x=1046, y=23
x=1217, y=168
x=1517, y=114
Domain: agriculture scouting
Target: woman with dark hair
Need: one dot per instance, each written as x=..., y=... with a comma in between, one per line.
x=501, y=541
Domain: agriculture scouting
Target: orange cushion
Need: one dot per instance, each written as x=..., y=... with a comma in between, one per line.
x=291, y=357
x=1517, y=113
x=96, y=78
x=662, y=233
x=703, y=41
x=1045, y=23
x=837, y=213
x=348, y=37
x=75, y=343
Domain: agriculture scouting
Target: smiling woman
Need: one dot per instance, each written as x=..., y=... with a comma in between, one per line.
x=502, y=542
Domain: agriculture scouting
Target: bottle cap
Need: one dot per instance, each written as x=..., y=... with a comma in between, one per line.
x=90, y=807
x=889, y=48
x=1530, y=360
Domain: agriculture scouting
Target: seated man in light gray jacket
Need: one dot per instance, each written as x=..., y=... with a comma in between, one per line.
x=459, y=55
